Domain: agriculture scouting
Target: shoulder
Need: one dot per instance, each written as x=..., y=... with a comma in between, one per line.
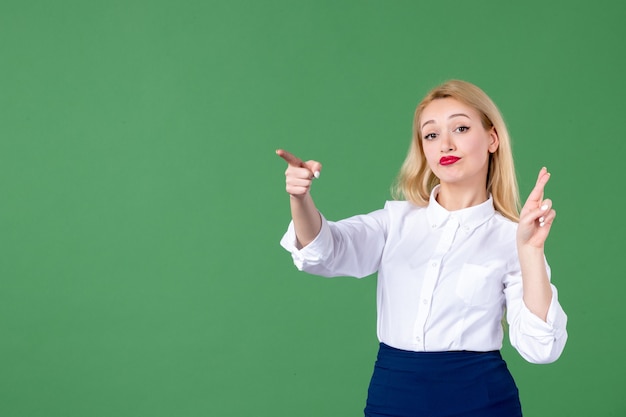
x=401, y=206
x=503, y=231
x=401, y=213
x=504, y=223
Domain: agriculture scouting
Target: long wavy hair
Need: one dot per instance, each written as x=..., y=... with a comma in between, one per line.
x=416, y=180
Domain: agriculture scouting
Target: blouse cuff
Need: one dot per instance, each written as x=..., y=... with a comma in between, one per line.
x=313, y=253
x=556, y=320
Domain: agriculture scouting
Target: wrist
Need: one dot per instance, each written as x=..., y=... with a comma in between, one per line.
x=298, y=197
x=530, y=252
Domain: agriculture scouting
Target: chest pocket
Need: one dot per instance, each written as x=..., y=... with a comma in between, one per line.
x=476, y=286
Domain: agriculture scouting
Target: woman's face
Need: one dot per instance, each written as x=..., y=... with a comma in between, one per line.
x=455, y=143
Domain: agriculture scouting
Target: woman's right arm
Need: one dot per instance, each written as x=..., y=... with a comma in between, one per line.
x=299, y=176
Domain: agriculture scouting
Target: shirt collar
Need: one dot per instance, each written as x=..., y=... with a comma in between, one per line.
x=468, y=218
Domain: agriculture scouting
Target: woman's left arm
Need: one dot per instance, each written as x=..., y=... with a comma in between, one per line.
x=534, y=226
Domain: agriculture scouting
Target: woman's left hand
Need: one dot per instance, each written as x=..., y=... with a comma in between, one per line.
x=537, y=215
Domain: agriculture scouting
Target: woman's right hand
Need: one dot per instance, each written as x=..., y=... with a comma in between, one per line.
x=306, y=219
x=299, y=174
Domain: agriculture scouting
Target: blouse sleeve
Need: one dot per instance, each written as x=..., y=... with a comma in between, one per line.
x=351, y=247
x=536, y=340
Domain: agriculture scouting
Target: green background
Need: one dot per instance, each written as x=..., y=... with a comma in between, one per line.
x=141, y=202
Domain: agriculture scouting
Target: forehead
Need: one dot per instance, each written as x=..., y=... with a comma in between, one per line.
x=442, y=109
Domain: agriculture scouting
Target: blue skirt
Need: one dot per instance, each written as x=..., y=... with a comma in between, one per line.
x=441, y=384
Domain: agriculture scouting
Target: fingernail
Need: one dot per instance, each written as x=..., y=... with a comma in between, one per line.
x=316, y=174
x=542, y=219
x=541, y=224
x=544, y=207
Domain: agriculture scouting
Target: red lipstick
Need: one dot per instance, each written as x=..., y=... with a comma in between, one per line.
x=448, y=160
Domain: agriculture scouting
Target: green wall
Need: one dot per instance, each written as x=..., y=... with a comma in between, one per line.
x=141, y=202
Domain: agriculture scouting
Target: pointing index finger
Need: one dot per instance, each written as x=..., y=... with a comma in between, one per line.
x=290, y=158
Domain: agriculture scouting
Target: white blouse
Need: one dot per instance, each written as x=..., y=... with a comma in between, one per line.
x=444, y=278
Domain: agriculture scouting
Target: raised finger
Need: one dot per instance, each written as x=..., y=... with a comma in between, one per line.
x=290, y=158
x=536, y=195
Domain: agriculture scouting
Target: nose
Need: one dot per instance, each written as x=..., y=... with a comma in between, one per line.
x=447, y=145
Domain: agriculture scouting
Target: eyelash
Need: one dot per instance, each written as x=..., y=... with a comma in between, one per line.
x=460, y=129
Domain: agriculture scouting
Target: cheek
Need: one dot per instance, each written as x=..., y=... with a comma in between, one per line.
x=430, y=150
x=478, y=146
x=430, y=153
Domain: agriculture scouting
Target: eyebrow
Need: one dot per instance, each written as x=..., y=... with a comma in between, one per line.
x=450, y=117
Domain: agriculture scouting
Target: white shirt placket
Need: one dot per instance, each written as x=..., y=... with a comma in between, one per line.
x=431, y=277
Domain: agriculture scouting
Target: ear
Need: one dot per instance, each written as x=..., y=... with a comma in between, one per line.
x=494, y=140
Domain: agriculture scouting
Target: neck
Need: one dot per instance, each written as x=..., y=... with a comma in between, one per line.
x=455, y=197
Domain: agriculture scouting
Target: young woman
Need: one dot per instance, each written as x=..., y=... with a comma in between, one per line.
x=451, y=259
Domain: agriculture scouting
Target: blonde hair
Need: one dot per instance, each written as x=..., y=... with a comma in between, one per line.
x=416, y=180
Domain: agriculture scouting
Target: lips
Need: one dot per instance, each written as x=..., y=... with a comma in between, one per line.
x=448, y=160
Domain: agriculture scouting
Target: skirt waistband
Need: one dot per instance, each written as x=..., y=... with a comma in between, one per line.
x=456, y=362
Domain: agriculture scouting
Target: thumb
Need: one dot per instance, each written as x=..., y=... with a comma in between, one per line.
x=315, y=167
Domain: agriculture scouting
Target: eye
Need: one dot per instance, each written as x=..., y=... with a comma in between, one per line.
x=462, y=129
x=430, y=136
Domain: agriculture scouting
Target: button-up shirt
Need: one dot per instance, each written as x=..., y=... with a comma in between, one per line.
x=445, y=278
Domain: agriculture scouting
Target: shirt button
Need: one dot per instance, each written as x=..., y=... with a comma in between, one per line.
x=466, y=228
x=419, y=339
x=424, y=302
x=434, y=264
x=434, y=226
